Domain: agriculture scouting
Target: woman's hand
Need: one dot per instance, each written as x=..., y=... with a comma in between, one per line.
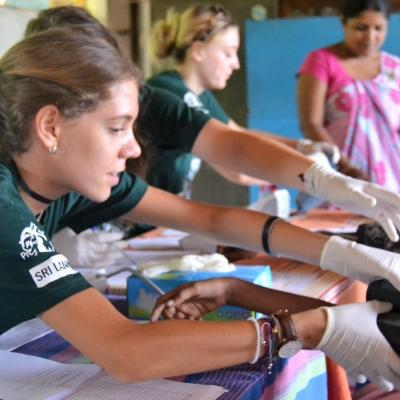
x=193, y=300
x=352, y=338
x=360, y=262
x=347, y=168
x=357, y=196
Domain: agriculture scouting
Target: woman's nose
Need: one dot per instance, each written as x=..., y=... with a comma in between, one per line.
x=131, y=148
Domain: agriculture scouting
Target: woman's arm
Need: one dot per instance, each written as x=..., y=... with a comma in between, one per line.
x=194, y=300
x=311, y=96
x=251, y=153
x=131, y=352
x=250, y=230
x=229, y=226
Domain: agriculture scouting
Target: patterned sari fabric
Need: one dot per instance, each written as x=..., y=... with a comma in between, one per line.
x=363, y=117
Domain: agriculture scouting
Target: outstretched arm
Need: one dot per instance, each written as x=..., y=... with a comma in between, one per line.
x=269, y=160
x=248, y=229
x=193, y=300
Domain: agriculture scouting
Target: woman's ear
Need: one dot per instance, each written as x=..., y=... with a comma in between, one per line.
x=46, y=124
x=197, y=51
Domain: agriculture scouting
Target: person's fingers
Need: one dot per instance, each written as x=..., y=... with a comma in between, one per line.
x=197, y=310
x=362, y=199
x=105, y=237
x=180, y=315
x=185, y=294
x=388, y=226
x=169, y=312
x=157, y=311
x=383, y=194
x=382, y=383
x=393, y=214
x=381, y=306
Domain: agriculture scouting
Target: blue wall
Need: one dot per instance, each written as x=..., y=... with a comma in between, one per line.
x=275, y=50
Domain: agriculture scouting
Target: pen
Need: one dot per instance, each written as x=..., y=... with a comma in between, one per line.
x=135, y=273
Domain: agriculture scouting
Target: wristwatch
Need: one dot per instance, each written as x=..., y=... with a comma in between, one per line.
x=283, y=327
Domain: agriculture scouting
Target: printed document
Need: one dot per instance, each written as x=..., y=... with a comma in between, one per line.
x=27, y=377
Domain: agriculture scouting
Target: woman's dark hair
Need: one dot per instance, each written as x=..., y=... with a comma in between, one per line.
x=71, y=17
x=353, y=8
x=61, y=67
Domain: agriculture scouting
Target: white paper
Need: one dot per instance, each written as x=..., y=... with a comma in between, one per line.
x=23, y=333
x=105, y=388
x=25, y=377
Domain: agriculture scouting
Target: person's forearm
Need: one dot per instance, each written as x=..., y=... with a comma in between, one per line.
x=316, y=132
x=238, y=178
x=264, y=300
x=132, y=352
x=310, y=326
x=228, y=226
x=255, y=155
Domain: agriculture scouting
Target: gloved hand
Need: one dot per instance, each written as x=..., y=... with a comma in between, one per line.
x=360, y=262
x=90, y=249
x=359, y=197
x=353, y=340
x=330, y=150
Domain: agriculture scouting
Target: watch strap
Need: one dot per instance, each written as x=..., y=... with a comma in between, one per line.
x=284, y=327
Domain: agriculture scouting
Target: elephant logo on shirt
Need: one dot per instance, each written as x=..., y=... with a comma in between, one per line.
x=192, y=101
x=34, y=241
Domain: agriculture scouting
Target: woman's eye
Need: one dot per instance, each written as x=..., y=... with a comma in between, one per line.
x=116, y=130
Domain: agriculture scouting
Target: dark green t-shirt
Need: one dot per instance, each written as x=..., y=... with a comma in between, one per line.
x=33, y=276
x=171, y=169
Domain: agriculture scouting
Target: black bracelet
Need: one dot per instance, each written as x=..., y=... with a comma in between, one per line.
x=266, y=233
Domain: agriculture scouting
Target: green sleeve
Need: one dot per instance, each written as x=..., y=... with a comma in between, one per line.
x=168, y=123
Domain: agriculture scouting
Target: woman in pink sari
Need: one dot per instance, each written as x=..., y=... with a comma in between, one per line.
x=349, y=94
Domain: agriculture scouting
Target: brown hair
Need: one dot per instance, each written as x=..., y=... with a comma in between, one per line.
x=172, y=36
x=70, y=17
x=60, y=67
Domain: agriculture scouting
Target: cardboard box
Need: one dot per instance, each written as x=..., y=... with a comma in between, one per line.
x=141, y=297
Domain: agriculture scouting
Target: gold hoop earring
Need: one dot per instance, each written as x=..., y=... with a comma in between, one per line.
x=53, y=149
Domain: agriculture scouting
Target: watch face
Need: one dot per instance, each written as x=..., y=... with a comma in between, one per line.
x=289, y=349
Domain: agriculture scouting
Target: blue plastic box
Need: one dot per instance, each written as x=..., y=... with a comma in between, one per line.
x=141, y=297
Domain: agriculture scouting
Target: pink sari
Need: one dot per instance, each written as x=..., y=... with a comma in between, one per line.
x=363, y=117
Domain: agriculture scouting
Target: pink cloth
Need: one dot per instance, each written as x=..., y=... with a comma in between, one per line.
x=362, y=116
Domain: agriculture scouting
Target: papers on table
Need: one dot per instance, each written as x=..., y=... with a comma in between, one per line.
x=23, y=333
x=26, y=377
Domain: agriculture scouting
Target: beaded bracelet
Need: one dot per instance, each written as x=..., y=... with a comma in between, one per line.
x=267, y=229
x=269, y=342
x=258, y=340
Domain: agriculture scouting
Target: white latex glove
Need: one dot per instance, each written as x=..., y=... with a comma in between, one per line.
x=330, y=150
x=90, y=249
x=360, y=262
x=357, y=196
x=353, y=340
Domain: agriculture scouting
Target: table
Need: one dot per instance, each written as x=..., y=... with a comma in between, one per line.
x=309, y=280
x=302, y=377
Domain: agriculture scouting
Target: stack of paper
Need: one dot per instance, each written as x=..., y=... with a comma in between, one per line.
x=26, y=377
